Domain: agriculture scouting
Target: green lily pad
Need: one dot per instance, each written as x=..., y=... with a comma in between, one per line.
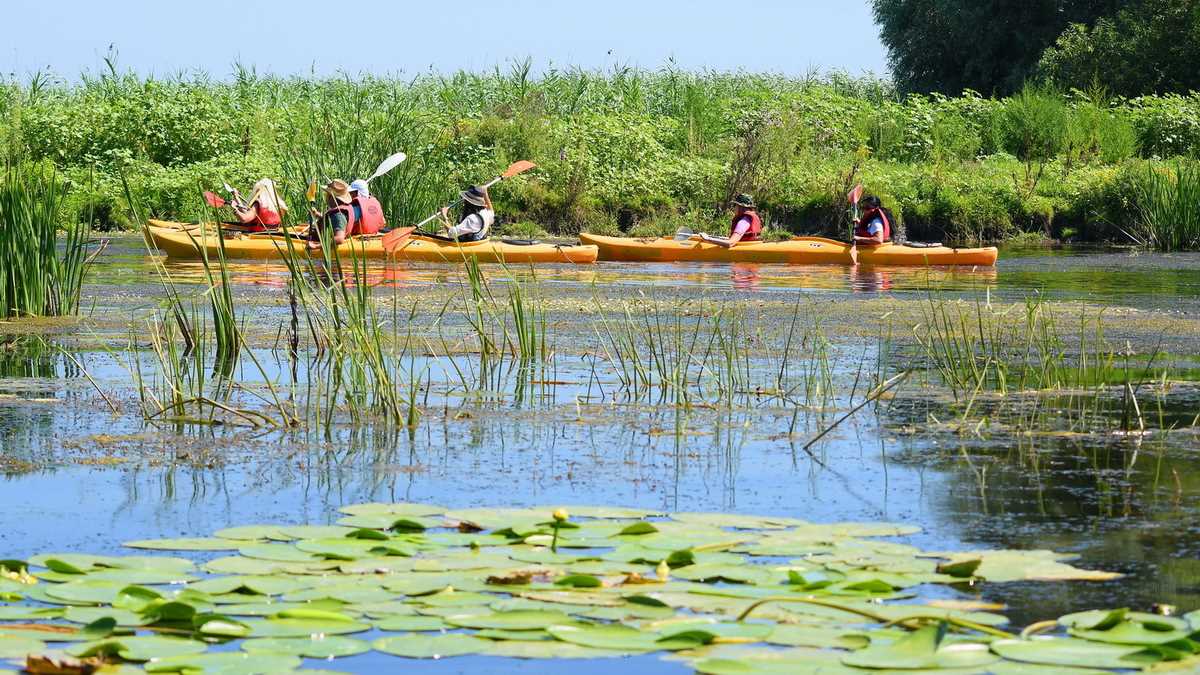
x=238, y=565
x=579, y=581
x=316, y=647
x=184, y=544
x=921, y=649
x=1126, y=628
x=455, y=599
x=519, y=635
x=138, y=648
x=86, y=615
x=44, y=633
x=550, y=649
x=277, y=553
x=1073, y=652
x=431, y=646
x=295, y=628
x=353, y=549
x=740, y=574
x=618, y=637
x=411, y=623
x=86, y=592
x=11, y=612
x=231, y=663
x=392, y=523
x=515, y=620
x=248, y=584
x=13, y=647
x=312, y=532
x=249, y=533
x=396, y=509
x=821, y=637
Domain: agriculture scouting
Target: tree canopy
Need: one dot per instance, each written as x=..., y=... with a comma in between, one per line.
x=995, y=46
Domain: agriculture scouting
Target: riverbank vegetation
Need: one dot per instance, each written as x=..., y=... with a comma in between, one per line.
x=631, y=150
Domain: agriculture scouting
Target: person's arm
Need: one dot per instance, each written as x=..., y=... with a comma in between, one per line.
x=487, y=200
x=246, y=214
x=876, y=230
x=472, y=224
x=739, y=231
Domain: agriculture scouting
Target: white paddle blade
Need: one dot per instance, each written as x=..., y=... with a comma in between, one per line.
x=228, y=188
x=388, y=164
x=683, y=234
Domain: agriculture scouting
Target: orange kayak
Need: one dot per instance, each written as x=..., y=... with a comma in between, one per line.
x=795, y=251
x=174, y=240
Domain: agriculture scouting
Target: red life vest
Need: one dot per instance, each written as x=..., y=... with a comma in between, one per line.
x=266, y=217
x=372, y=220
x=754, y=231
x=860, y=230
x=351, y=221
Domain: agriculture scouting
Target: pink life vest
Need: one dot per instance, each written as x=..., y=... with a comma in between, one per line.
x=753, y=232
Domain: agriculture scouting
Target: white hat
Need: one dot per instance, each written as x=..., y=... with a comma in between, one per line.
x=360, y=186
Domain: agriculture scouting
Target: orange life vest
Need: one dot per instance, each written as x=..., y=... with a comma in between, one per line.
x=372, y=220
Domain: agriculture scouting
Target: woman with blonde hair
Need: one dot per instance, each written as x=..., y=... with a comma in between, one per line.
x=265, y=208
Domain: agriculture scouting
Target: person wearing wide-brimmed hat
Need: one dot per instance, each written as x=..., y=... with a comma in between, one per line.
x=337, y=216
x=746, y=225
x=476, y=219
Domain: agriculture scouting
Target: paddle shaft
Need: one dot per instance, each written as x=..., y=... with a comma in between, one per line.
x=456, y=202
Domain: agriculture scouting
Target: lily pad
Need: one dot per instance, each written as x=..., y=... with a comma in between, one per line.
x=316, y=647
x=232, y=663
x=1053, y=651
x=12, y=647
x=293, y=628
x=550, y=649
x=515, y=620
x=89, y=592
x=431, y=646
x=138, y=648
x=618, y=637
x=250, y=533
x=921, y=649
x=185, y=544
x=411, y=623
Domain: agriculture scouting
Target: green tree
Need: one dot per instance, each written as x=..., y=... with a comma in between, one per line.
x=1146, y=47
x=990, y=46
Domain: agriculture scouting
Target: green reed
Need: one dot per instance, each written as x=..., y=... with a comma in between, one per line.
x=38, y=277
x=1166, y=207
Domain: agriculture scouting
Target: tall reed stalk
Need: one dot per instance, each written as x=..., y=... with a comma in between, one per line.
x=1167, y=200
x=38, y=277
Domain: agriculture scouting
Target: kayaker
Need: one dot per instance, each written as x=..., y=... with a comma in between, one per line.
x=476, y=219
x=368, y=212
x=874, y=227
x=746, y=225
x=337, y=218
x=264, y=210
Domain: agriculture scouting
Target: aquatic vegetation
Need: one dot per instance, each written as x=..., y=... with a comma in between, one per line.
x=1166, y=198
x=419, y=581
x=38, y=277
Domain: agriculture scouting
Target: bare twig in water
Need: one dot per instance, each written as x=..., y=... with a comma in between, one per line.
x=879, y=391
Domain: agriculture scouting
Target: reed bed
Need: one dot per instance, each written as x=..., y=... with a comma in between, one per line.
x=1167, y=217
x=40, y=274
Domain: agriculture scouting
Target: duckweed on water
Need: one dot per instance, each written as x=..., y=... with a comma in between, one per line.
x=725, y=593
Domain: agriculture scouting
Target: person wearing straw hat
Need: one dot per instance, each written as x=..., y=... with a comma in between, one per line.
x=265, y=209
x=476, y=219
x=338, y=217
x=746, y=225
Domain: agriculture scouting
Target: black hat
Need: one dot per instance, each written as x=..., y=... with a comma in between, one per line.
x=744, y=200
x=473, y=195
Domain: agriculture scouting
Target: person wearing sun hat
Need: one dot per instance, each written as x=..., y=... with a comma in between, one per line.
x=746, y=225
x=337, y=217
x=476, y=218
x=264, y=210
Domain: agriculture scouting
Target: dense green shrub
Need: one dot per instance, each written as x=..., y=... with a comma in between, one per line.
x=648, y=150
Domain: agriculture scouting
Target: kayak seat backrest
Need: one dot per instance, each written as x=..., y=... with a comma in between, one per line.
x=921, y=244
x=520, y=242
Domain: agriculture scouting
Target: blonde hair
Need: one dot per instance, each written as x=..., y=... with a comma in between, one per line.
x=267, y=195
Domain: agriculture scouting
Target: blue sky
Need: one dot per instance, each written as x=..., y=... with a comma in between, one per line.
x=381, y=37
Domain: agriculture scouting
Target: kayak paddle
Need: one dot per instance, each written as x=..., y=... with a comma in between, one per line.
x=388, y=164
x=854, y=196
x=213, y=199
x=392, y=240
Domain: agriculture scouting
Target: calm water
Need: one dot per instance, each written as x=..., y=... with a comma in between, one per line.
x=1122, y=503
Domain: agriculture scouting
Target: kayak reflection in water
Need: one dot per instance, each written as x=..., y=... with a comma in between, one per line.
x=746, y=225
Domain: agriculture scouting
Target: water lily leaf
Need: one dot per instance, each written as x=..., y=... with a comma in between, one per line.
x=627, y=612
x=618, y=637
x=518, y=620
x=431, y=646
x=738, y=574
x=292, y=628
x=91, y=592
x=454, y=599
x=717, y=630
x=344, y=548
x=820, y=637
x=232, y=663
x=641, y=527
x=291, y=532
x=754, y=661
x=316, y=647
x=250, y=533
x=374, y=565
x=218, y=625
x=575, y=598
x=1126, y=628
x=13, y=647
x=549, y=649
x=420, y=584
x=274, y=608
x=247, y=584
x=474, y=539
x=277, y=553
x=460, y=562
x=396, y=509
x=11, y=612
x=579, y=581
x=138, y=648
x=43, y=632
x=88, y=562
x=382, y=609
x=1073, y=652
x=963, y=569
x=410, y=623
x=184, y=544
x=238, y=565
x=392, y=523
x=1003, y=566
x=921, y=649
x=86, y=615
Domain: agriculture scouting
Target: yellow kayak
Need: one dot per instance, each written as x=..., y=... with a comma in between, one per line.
x=183, y=240
x=795, y=251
